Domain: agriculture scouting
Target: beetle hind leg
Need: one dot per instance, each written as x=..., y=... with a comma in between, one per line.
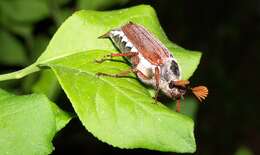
x=121, y=74
x=111, y=55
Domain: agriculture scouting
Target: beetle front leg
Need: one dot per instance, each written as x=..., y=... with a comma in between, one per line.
x=178, y=105
x=124, y=73
x=110, y=56
x=157, y=83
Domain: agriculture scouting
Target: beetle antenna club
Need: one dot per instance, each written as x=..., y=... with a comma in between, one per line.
x=151, y=61
x=201, y=92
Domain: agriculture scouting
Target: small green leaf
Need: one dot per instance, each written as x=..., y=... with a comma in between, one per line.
x=32, y=116
x=243, y=150
x=47, y=84
x=12, y=52
x=62, y=118
x=120, y=111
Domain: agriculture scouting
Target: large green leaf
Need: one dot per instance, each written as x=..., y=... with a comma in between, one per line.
x=28, y=123
x=120, y=111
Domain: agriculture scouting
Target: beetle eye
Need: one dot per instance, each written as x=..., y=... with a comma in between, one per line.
x=171, y=84
x=175, y=69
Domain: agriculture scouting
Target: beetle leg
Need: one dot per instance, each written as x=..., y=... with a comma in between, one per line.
x=178, y=105
x=141, y=74
x=124, y=73
x=125, y=54
x=110, y=56
x=121, y=74
x=157, y=82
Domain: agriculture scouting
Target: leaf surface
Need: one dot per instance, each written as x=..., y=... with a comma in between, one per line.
x=120, y=111
x=28, y=123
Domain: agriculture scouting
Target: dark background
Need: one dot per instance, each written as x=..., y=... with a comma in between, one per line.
x=227, y=32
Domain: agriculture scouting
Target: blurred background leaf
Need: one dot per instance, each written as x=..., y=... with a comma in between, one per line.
x=243, y=150
x=12, y=50
x=24, y=10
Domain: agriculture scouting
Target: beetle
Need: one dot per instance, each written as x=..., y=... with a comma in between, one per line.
x=151, y=61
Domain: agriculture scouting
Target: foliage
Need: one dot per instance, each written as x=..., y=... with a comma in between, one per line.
x=129, y=119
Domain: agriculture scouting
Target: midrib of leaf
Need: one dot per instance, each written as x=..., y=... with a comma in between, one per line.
x=20, y=73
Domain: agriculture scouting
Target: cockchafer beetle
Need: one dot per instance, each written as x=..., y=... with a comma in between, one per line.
x=151, y=61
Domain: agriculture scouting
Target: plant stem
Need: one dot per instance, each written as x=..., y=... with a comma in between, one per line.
x=19, y=74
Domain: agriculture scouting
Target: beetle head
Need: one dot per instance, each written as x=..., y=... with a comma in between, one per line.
x=175, y=90
x=170, y=73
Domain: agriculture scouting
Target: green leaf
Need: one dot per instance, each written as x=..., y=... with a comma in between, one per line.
x=120, y=111
x=12, y=52
x=24, y=10
x=61, y=15
x=243, y=150
x=22, y=29
x=47, y=84
x=28, y=123
x=39, y=44
x=98, y=4
x=62, y=118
